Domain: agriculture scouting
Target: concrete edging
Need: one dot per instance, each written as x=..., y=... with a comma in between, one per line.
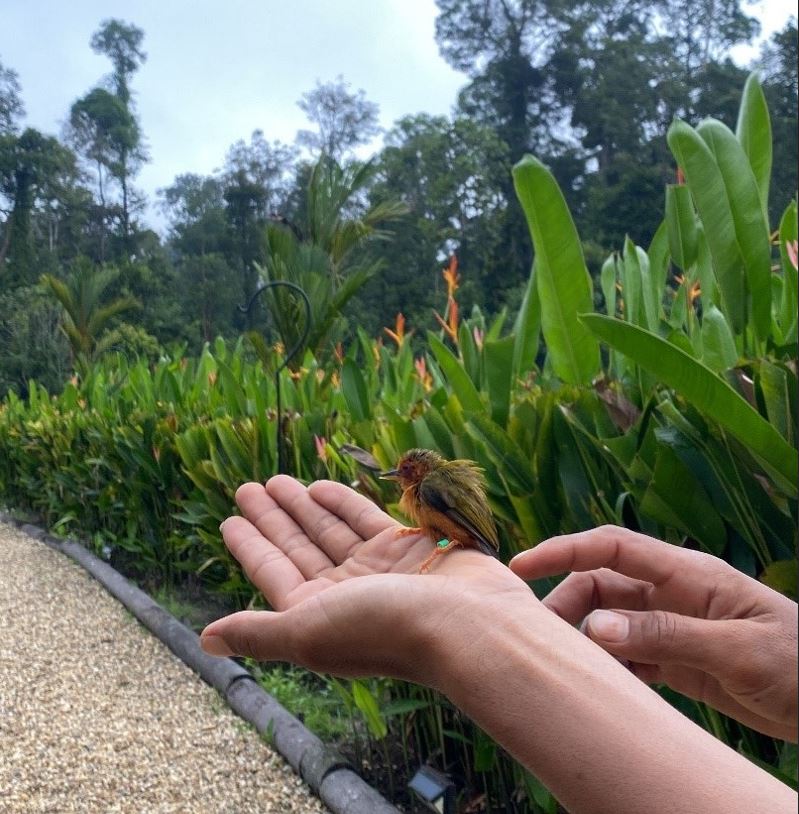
x=329, y=775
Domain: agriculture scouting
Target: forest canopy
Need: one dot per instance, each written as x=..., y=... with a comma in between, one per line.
x=589, y=88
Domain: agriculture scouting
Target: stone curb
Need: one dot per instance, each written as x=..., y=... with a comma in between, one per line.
x=327, y=773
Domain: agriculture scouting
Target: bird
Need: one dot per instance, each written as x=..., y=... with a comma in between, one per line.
x=446, y=500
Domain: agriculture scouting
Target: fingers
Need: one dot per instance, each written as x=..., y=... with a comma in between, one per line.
x=320, y=524
x=271, y=519
x=663, y=638
x=581, y=593
x=266, y=566
x=356, y=511
x=627, y=552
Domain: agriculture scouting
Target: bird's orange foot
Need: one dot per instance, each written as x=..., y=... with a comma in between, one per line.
x=406, y=531
x=442, y=546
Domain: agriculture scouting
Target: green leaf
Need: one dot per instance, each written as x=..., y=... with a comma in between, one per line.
x=456, y=375
x=774, y=386
x=749, y=222
x=503, y=453
x=354, y=388
x=781, y=576
x=718, y=345
x=675, y=497
x=681, y=226
x=704, y=389
x=564, y=284
x=710, y=195
x=607, y=279
x=369, y=708
x=790, y=287
x=527, y=329
x=753, y=131
x=498, y=374
x=659, y=261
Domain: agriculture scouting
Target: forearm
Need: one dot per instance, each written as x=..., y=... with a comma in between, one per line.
x=589, y=730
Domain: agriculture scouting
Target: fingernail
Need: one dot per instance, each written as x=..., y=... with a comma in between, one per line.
x=609, y=626
x=222, y=524
x=215, y=646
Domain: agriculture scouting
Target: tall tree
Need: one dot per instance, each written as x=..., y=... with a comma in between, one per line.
x=778, y=64
x=11, y=107
x=31, y=170
x=344, y=120
x=451, y=175
x=121, y=42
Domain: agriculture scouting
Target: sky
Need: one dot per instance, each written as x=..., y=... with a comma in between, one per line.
x=218, y=69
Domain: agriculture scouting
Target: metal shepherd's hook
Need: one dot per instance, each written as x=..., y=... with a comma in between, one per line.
x=290, y=354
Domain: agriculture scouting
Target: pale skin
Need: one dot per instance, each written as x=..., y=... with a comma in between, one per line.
x=349, y=601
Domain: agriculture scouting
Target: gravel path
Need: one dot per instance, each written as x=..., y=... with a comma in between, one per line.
x=96, y=715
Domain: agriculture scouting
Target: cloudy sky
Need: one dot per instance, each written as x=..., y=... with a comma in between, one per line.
x=216, y=71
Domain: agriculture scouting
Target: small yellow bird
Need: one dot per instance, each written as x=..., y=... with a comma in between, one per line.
x=447, y=501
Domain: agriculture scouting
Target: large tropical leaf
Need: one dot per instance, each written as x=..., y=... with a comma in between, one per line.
x=753, y=131
x=704, y=389
x=749, y=222
x=564, y=284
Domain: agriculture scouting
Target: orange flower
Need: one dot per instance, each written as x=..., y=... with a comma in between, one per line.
x=695, y=290
x=680, y=177
x=450, y=325
x=321, y=447
x=338, y=352
x=424, y=377
x=450, y=274
x=398, y=334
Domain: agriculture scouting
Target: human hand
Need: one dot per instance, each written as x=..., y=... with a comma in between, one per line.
x=680, y=618
x=346, y=591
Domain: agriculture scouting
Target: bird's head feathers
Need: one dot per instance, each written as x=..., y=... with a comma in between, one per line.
x=413, y=466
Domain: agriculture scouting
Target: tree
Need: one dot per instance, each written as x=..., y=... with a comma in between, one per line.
x=87, y=319
x=326, y=253
x=451, y=175
x=778, y=64
x=121, y=43
x=104, y=128
x=207, y=288
x=11, y=107
x=32, y=167
x=343, y=120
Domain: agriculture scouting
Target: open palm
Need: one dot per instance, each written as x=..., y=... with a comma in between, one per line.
x=346, y=590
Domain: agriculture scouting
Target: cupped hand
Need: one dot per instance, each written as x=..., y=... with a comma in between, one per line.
x=678, y=617
x=346, y=592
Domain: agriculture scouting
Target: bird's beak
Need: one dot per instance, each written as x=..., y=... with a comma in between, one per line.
x=391, y=474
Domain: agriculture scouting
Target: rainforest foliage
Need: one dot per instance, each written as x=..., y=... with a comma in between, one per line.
x=604, y=319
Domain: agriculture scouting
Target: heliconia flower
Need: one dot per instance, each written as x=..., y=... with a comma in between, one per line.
x=450, y=325
x=424, y=377
x=680, y=177
x=338, y=352
x=321, y=447
x=398, y=334
x=478, y=337
x=450, y=274
x=792, y=248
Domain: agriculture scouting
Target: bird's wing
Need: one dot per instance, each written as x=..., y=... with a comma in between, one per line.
x=465, y=504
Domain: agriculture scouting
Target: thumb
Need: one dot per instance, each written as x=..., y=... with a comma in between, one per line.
x=659, y=637
x=260, y=635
